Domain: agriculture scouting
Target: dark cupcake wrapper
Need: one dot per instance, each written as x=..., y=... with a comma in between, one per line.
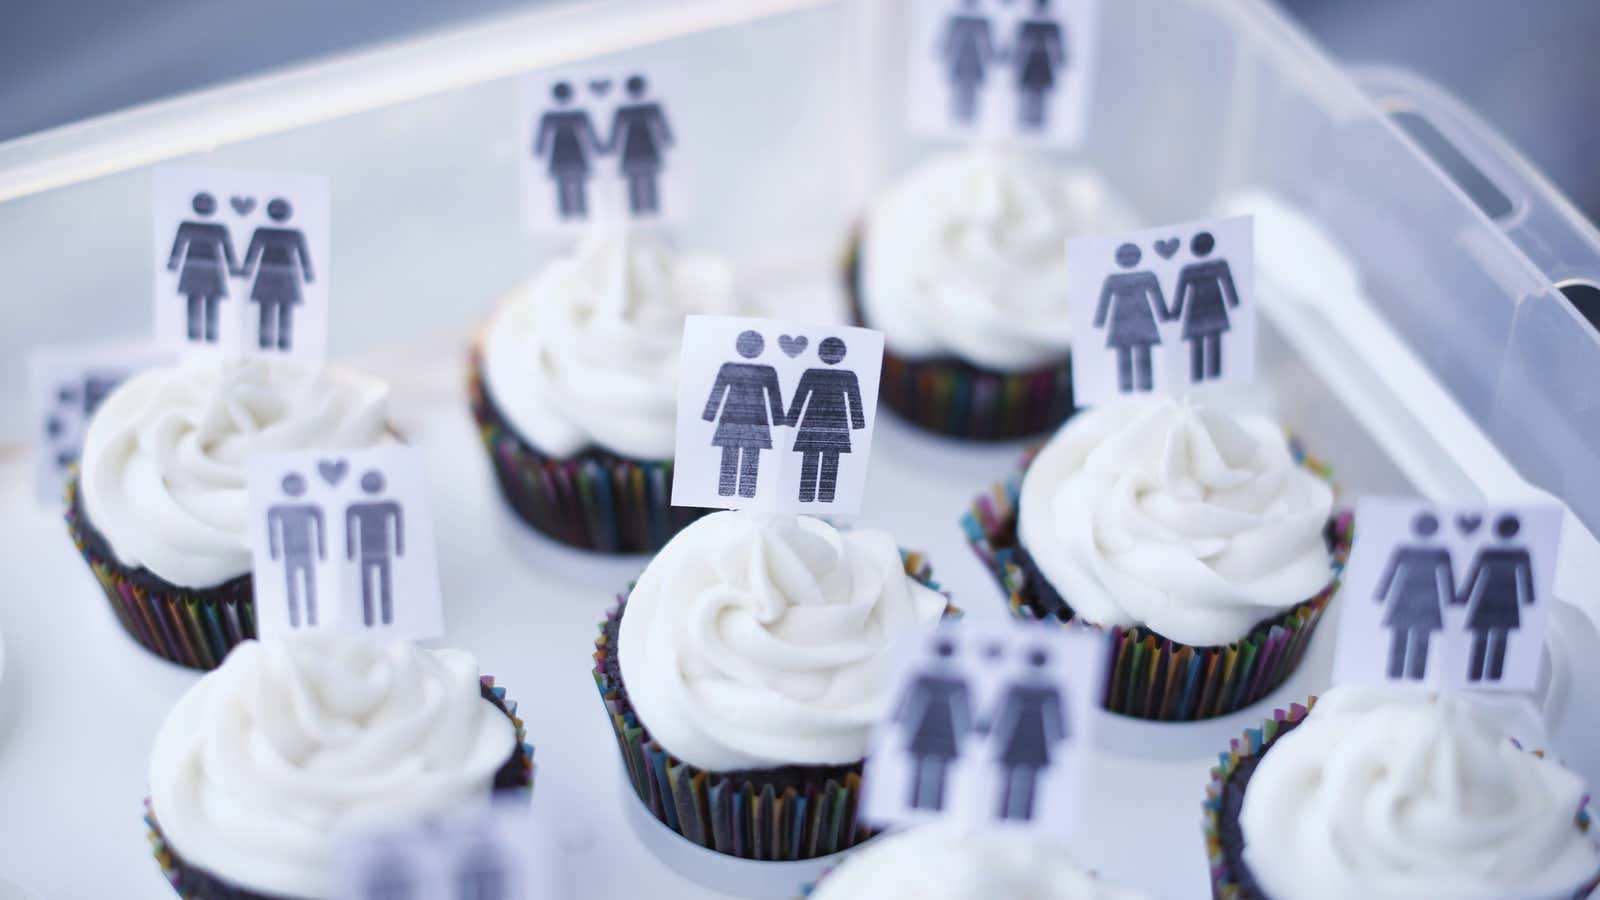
x=781, y=814
x=1150, y=676
x=189, y=626
x=195, y=883
x=956, y=398
x=594, y=500
x=1231, y=878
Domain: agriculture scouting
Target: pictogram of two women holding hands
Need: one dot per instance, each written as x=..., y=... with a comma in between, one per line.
x=746, y=401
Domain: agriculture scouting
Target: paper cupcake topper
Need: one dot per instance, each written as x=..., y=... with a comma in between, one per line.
x=1001, y=70
x=342, y=540
x=775, y=415
x=599, y=143
x=1166, y=310
x=495, y=852
x=1453, y=596
x=67, y=385
x=985, y=727
x=242, y=261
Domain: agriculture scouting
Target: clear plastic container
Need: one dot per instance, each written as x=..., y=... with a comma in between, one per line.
x=1415, y=334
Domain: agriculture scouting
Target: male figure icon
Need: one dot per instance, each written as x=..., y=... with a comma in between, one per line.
x=740, y=399
x=1028, y=723
x=297, y=534
x=1416, y=584
x=376, y=529
x=640, y=136
x=284, y=262
x=1131, y=303
x=202, y=247
x=1038, y=54
x=568, y=138
x=1499, y=583
x=967, y=49
x=935, y=715
x=1204, y=293
x=825, y=422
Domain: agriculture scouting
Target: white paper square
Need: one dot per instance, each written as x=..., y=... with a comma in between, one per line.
x=600, y=143
x=1427, y=583
x=67, y=385
x=738, y=415
x=333, y=532
x=242, y=261
x=1019, y=71
x=1113, y=283
x=1019, y=721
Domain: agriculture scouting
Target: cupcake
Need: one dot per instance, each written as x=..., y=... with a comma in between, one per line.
x=961, y=264
x=1199, y=540
x=744, y=670
x=1394, y=792
x=290, y=740
x=159, y=507
x=952, y=862
x=574, y=385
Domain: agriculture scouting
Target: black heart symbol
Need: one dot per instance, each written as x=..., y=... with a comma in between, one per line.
x=242, y=205
x=1167, y=247
x=1468, y=522
x=600, y=86
x=793, y=346
x=332, y=472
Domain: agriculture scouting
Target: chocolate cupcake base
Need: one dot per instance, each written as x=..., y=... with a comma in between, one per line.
x=1151, y=676
x=955, y=398
x=594, y=500
x=195, y=883
x=188, y=626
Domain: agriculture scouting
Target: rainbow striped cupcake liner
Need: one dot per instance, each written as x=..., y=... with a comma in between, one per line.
x=595, y=500
x=955, y=398
x=1150, y=676
x=194, y=628
x=1230, y=876
x=194, y=883
x=783, y=814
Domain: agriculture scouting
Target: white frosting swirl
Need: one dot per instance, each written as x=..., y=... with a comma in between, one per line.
x=163, y=472
x=266, y=756
x=1191, y=521
x=587, y=352
x=966, y=256
x=951, y=862
x=1400, y=793
x=754, y=641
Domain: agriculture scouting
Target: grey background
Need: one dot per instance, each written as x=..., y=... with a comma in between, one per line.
x=1528, y=66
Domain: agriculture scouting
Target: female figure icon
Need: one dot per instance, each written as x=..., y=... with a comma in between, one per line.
x=1040, y=54
x=1417, y=582
x=280, y=261
x=825, y=422
x=1204, y=294
x=567, y=136
x=1499, y=583
x=967, y=48
x=1129, y=304
x=202, y=247
x=640, y=135
x=740, y=400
